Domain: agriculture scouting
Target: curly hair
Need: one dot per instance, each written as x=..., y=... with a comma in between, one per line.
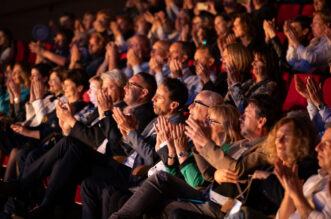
x=303, y=137
x=230, y=115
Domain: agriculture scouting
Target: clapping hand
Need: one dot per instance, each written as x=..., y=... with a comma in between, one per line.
x=175, y=68
x=195, y=131
x=202, y=72
x=233, y=74
x=314, y=91
x=125, y=123
x=225, y=176
x=104, y=101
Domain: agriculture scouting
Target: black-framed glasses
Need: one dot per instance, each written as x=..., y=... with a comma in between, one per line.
x=130, y=84
x=201, y=103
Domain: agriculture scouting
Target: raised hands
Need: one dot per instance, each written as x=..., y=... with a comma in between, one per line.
x=65, y=112
x=115, y=29
x=125, y=123
x=314, y=91
x=180, y=141
x=202, y=72
x=176, y=68
x=133, y=58
x=300, y=86
x=104, y=101
x=234, y=75
x=14, y=91
x=156, y=64
x=269, y=28
x=291, y=35
x=195, y=131
x=112, y=52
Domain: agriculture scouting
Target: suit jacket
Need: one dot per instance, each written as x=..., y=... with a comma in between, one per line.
x=250, y=160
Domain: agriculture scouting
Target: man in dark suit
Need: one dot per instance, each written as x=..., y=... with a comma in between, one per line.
x=168, y=101
x=74, y=157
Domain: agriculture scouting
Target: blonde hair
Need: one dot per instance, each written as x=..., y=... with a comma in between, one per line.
x=230, y=115
x=303, y=139
x=240, y=56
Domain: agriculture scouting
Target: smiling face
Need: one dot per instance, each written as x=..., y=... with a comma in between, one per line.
x=55, y=84
x=199, y=108
x=221, y=26
x=134, y=90
x=283, y=142
x=112, y=89
x=324, y=151
x=249, y=122
x=161, y=101
x=318, y=26
x=71, y=90
x=238, y=29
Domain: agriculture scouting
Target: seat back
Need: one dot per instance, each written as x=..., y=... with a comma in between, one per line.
x=286, y=12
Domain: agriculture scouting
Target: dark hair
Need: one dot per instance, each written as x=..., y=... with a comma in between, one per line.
x=247, y=21
x=67, y=33
x=43, y=69
x=268, y=107
x=178, y=91
x=225, y=17
x=304, y=21
x=7, y=32
x=78, y=76
x=150, y=82
x=270, y=60
x=59, y=72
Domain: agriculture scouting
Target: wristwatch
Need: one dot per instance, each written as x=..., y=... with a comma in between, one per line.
x=107, y=113
x=182, y=154
x=321, y=106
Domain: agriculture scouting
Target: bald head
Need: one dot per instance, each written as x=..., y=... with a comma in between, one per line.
x=211, y=98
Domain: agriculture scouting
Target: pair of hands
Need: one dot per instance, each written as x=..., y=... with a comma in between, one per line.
x=36, y=90
x=173, y=134
x=311, y=91
x=289, y=179
x=156, y=63
x=291, y=34
x=125, y=123
x=233, y=75
x=222, y=43
x=269, y=28
x=202, y=72
x=134, y=57
x=14, y=90
x=176, y=68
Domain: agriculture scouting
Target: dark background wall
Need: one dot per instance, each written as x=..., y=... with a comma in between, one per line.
x=21, y=15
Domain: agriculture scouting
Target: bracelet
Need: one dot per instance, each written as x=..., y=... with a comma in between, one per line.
x=16, y=100
x=170, y=157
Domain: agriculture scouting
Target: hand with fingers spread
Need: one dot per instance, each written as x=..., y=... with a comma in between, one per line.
x=196, y=132
x=315, y=92
x=225, y=176
x=180, y=142
x=125, y=123
x=269, y=28
x=14, y=91
x=202, y=72
x=233, y=74
x=300, y=86
x=104, y=101
x=163, y=129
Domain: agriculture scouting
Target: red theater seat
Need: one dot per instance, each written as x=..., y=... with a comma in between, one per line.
x=307, y=10
x=294, y=100
x=327, y=91
x=286, y=12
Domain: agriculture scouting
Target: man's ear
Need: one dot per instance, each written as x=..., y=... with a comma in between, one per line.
x=174, y=105
x=145, y=93
x=211, y=61
x=305, y=31
x=184, y=59
x=80, y=88
x=262, y=122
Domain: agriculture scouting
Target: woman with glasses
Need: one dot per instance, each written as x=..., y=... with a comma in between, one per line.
x=165, y=191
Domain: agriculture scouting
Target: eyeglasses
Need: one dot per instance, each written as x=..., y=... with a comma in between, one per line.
x=201, y=103
x=212, y=121
x=130, y=84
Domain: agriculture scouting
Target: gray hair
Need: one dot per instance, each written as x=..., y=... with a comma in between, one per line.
x=118, y=76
